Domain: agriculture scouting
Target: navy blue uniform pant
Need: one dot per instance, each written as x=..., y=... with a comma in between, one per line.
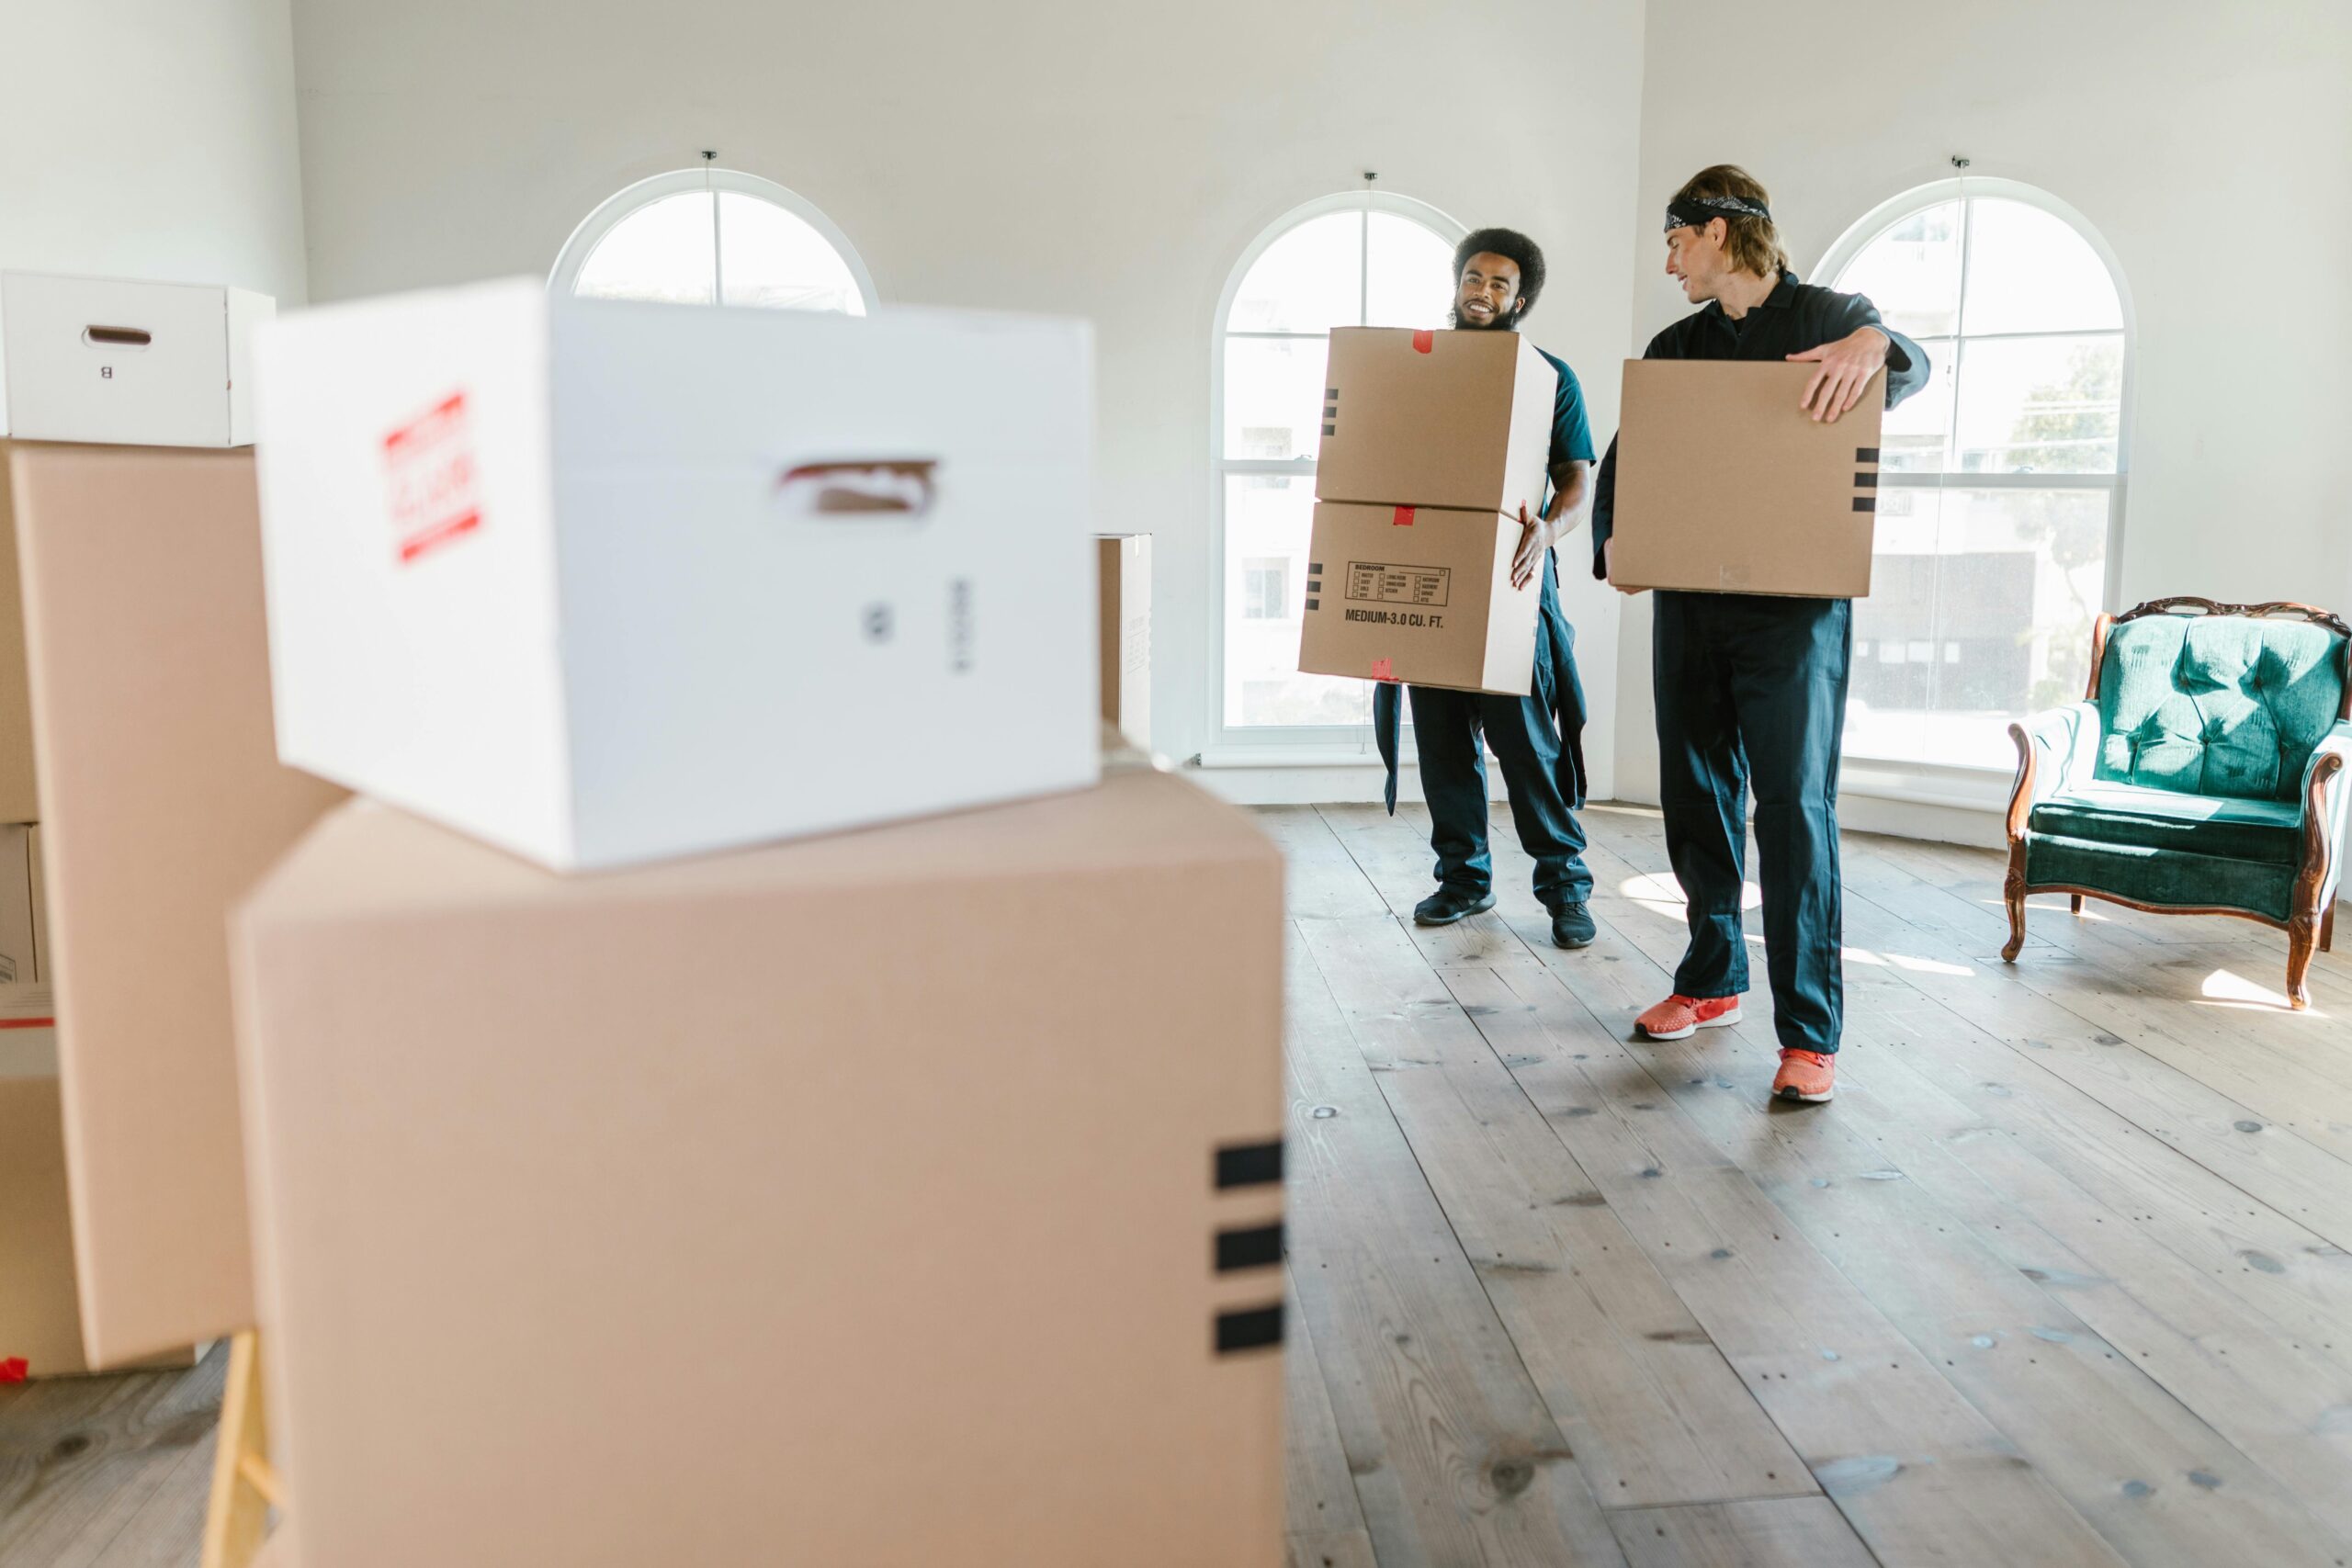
x=1751, y=694
x=1446, y=728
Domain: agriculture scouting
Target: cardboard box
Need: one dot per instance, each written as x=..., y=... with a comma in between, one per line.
x=142, y=364
x=151, y=686
x=40, y=1333
x=1420, y=595
x=41, y=905
x=606, y=582
x=1123, y=625
x=932, y=1249
x=19, y=948
x=1725, y=484
x=1460, y=419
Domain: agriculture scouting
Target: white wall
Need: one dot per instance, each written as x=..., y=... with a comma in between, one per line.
x=1110, y=162
x=150, y=138
x=2210, y=145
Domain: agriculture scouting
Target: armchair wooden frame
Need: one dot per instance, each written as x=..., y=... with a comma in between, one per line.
x=2309, y=928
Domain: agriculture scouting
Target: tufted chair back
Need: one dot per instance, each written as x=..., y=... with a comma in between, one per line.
x=2216, y=704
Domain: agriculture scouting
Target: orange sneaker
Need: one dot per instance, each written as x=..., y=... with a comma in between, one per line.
x=1808, y=1075
x=1678, y=1017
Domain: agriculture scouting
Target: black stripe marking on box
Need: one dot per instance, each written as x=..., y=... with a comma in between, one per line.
x=1313, y=604
x=1866, y=481
x=1866, y=503
x=1866, y=454
x=1315, y=567
x=1257, y=1246
x=1330, y=429
x=1249, y=1165
x=1253, y=1329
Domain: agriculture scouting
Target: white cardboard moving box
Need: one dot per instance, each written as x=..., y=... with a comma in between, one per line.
x=604, y=582
x=116, y=361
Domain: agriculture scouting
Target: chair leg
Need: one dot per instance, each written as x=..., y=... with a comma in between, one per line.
x=2074, y=902
x=2301, y=940
x=2013, y=895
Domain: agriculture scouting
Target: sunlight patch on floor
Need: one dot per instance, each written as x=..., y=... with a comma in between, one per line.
x=2228, y=988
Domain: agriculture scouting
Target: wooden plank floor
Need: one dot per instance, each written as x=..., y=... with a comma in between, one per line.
x=2062, y=1276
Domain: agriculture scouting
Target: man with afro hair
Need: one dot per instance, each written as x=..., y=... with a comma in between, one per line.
x=1537, y=739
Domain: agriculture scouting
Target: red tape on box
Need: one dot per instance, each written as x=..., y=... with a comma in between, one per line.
x=14, y=1369
x=1423, y=342
x=1404, y=518
x=1380, y=668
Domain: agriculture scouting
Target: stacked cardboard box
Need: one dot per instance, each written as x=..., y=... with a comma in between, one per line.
x=1124, y=622
x=965, y=1125
x=1432, y=442
x=133, y=719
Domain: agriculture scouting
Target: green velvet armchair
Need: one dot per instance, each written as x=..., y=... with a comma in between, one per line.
x=2201, y=775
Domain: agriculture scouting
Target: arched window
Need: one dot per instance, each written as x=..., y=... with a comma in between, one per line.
x=713, y=236
x=1362, y=259
x=2002, y=495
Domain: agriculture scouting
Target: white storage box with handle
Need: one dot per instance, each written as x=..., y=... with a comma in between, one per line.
x=602, y=582
x=137, y=364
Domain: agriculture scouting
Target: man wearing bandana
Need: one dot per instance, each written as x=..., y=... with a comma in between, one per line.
x=1538, y=738
x=1751, y=689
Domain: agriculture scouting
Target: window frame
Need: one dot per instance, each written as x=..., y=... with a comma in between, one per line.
x=1904, y=779
x=564, y=275
x=1274, y=744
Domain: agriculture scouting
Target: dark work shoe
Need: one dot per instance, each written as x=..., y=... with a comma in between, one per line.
x=1572, y=926
x=1447, y=905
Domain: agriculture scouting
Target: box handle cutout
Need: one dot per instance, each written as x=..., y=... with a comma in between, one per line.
x=116, y=337
x=877, y=488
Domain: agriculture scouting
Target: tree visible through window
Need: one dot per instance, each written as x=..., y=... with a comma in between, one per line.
x=2003, y=477
x=1361, y=261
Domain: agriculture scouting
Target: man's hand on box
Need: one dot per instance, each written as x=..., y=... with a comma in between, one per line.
x=1534, y=538
x=1845, y=373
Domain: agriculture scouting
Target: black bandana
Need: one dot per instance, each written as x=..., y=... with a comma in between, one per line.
x=1693, y=211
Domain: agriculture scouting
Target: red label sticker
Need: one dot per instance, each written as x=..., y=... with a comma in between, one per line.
x=14, y=1369
x=1380, y=668
x=1423, y=342
x=429, y=476
x=1404, y=518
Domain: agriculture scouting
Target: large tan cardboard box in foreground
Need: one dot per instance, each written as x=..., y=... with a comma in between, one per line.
x=903, y=1197
x=1453, y=418
x=1123, y=625
x=1418, y=594
x=164, y=801
x=1725, y=485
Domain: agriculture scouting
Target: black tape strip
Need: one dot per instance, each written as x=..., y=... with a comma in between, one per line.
x=1330, y=394
x=1253, y=1329
x=1314, y=585
x=1330, y=429
x=1259, y=1246
x=1866, y=481
x=1866, y=454
x=1313, y=603
x=1866, y=503
x=1249, y=1165
x=1315, y=567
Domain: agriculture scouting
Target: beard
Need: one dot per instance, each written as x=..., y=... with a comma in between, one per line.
x=1503, y=320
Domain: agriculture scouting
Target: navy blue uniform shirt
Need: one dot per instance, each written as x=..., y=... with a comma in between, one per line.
x=1795, y=317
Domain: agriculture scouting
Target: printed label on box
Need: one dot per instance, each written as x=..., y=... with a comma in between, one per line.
x=429, y=480
x=1377, y=582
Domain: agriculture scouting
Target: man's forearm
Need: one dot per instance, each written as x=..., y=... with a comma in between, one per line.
x=1567, y=511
